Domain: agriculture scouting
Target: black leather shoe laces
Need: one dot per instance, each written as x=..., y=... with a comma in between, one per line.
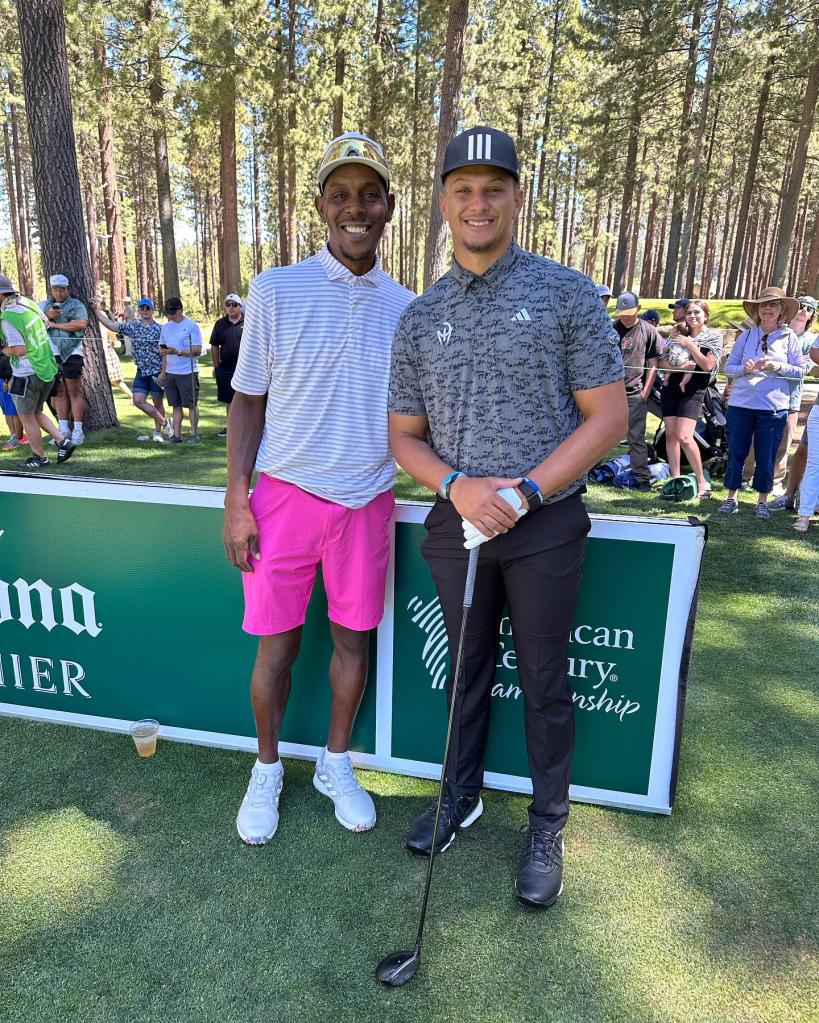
x=542, y=847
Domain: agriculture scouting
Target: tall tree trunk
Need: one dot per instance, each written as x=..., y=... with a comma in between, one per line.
x=635, y=226
x=53, y=153
x=810, y=282
x=629, y=179
x=88, y=175
x=156, y=91
x=658, y=266
x=683, y=150
x=26, y=267
x=231, y=273
x=547, y=120
x=141, y=214
x=257, y=202
x=688, y=256
x=292, y=218
x=376, y=69
x=341, y=65
x=750, y=177
x=798, y=252
x=413, y=232
x=797, y=173
x=110, y=194
x=699, y=206
x=12, y=197
x=590, y=261
x=646, y=268
x=447, y=123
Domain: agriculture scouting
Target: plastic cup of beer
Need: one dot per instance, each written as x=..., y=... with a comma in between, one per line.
x=144, y=734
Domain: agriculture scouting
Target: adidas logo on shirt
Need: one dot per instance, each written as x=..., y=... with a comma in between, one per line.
x=522, y=317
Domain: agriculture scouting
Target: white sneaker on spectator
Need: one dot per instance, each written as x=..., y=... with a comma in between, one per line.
x=778, y=489
x=157, y=437
x=77, y=437
x=258, y=815
x=54, y=443
x=334, y=777
x=167, y=429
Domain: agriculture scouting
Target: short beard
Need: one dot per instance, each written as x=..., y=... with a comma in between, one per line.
x=484, y=246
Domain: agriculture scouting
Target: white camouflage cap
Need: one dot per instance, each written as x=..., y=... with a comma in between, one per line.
x=58, y=281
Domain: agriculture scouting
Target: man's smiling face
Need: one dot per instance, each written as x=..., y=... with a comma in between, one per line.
x=481, y=205
x=355, y=207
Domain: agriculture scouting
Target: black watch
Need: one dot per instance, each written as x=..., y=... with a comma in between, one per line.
x=534, y=498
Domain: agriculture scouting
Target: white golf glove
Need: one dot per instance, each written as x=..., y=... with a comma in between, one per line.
x=473, y=536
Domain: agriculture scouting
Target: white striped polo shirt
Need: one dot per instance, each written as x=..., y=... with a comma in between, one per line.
x=317, y=340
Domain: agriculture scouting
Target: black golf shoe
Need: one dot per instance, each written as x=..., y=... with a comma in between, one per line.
x=540, y=875
x=455, y=813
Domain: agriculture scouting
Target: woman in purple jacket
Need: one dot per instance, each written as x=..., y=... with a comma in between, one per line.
x=761, y=363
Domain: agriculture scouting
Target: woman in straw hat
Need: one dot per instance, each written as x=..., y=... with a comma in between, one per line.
x=764, y=358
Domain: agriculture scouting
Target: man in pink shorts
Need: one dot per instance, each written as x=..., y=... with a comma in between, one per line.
x=310, y=415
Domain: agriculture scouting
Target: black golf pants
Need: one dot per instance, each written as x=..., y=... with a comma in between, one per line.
x=534, y=571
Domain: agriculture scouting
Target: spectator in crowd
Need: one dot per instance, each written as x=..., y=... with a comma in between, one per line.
x=224, y=350
x=180, y=345
x=639, y=345
x=761, y=363
x=604, y=292
x=144, y=334
x=682, y=402
x=67, y=319
x=802, y=325
x=310, y=413
x=128, y=314
x=112, y=364
x=809, y=490
x=651, y=316
x=17, y=435
x=33, y=368
x=677, y=324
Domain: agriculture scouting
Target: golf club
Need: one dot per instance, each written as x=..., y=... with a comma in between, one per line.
x=399, y=967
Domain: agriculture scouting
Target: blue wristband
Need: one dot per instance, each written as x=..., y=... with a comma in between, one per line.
x=447, y=483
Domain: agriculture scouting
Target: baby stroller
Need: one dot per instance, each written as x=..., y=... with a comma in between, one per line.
x=710, y=433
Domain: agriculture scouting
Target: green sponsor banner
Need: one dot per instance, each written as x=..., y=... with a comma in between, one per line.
x=613, y=665
x=131, y=610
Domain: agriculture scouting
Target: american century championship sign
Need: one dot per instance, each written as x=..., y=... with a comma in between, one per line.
x=116, y=602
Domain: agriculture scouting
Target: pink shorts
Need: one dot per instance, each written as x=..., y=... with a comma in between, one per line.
x=297, y=532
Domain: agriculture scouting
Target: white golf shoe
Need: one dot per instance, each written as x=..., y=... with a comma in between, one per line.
x=258, y=815
x=335, y=779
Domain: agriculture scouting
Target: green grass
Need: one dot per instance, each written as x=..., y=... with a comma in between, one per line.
x=125, y=894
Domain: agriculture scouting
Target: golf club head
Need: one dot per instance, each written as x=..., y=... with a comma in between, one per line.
x=399, y=967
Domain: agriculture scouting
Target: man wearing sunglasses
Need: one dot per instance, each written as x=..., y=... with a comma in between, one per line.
x=224, y=351
x=310, y=415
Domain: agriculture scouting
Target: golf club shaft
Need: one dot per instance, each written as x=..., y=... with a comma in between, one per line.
x=469, y=587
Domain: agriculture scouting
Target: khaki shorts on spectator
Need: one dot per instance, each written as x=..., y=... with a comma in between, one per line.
x=71, y=368
x=32, y=401
x=178, y=390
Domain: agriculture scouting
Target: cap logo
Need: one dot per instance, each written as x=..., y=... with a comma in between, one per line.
x=479, y=147
x=353, y=149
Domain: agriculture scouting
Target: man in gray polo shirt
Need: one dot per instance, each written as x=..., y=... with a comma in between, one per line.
x=510, y=365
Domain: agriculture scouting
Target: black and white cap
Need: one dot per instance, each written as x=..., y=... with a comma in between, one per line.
x=481, y=147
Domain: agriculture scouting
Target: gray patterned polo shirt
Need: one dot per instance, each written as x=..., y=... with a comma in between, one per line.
x=492, y=361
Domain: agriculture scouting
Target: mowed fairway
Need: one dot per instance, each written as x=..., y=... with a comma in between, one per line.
x=126, y=894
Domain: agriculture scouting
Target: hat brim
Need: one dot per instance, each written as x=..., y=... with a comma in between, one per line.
x=475, y=163
x=626, y=312
x=326, y=171
x=790, y=307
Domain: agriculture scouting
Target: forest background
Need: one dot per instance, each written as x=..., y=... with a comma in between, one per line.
x=665, y=145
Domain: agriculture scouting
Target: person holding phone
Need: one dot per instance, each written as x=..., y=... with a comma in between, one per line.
x=180, y=344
